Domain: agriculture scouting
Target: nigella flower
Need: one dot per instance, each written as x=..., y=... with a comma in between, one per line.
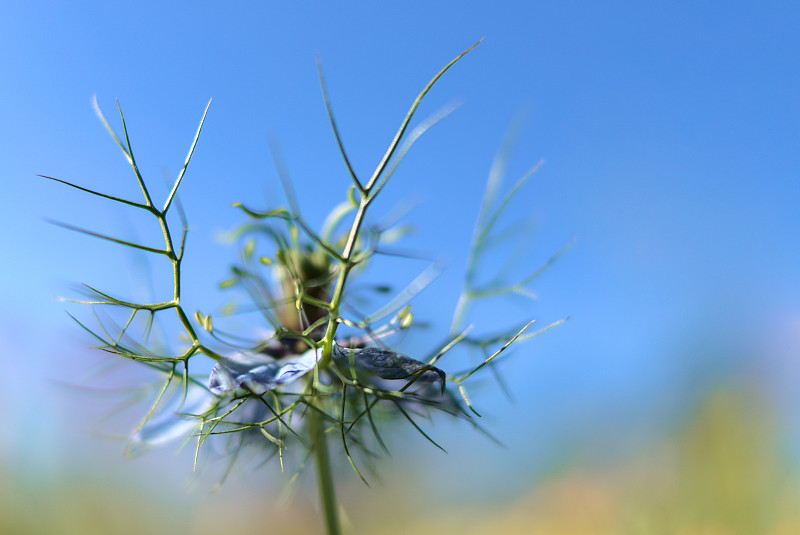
x=243, y=373
x=256, y=373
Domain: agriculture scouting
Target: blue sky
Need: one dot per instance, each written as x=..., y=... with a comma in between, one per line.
x=669, y=134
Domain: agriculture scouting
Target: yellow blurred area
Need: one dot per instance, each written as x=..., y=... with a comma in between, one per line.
x=718, y=473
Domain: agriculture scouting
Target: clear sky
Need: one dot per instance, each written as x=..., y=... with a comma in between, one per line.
x=669, y=133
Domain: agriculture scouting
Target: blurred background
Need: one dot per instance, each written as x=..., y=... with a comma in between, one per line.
x=669, y=137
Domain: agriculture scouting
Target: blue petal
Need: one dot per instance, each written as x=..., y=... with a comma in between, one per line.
x=256, y=373
x=169, y=424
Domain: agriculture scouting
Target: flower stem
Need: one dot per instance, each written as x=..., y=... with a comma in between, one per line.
x=327, y=492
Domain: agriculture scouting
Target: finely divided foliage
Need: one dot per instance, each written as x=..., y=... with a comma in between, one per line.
x=322, y=370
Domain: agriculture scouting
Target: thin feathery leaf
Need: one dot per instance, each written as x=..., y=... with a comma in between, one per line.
x=278, y=418
x=450, y=345
x=417, y=427
x=87, y=329
x=157, y=401
x=492, y=221
x=108, y=238
x=127, y=324
x=220, y=418
x=334, y=218
x=111, y=131
x=404, y=149
x=366, y=412
x=372, y=425
x=199, y=442
x=496, y=353
x=153, y=307
x=502, y=384
x=272, y=439
x=463, y=392
x=493, y=182
x=422, y=281
x=186, y=163
x=344, y=439
x=182, y=247
x=185, y=381
x=496, y=173
x=283, y=175
x=280, y=213
x=544, y=330
x=329, y=110
x=404, y=125
x=178, y=204
x=110, y=197
x=132, y=160
x=550, y=261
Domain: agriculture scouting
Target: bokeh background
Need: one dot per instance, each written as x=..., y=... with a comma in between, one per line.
x=669, y=133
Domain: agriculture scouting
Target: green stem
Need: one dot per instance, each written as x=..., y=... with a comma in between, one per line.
x=327, y=492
